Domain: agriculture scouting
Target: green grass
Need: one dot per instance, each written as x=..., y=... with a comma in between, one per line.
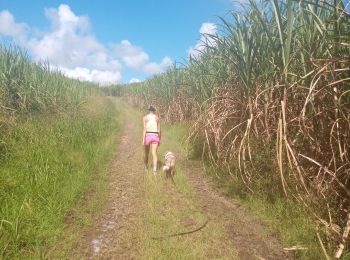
x=269, y=51
x=27, y=87
x=49, y=166
x=169, y=209
x=293, y=223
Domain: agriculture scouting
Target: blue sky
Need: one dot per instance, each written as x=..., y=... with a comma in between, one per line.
x=110, y=41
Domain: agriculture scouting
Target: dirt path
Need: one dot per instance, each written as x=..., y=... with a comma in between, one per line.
x=112, y=237
x=113, y=234
x=142, y=207
x=249, y=236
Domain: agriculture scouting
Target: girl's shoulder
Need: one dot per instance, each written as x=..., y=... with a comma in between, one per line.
x=156, y=117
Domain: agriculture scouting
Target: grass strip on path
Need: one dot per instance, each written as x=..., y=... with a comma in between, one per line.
x=169, y=210
x=151, y=218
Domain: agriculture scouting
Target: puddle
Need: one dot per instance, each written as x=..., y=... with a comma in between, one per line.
x=102, y=241
x=96, y=245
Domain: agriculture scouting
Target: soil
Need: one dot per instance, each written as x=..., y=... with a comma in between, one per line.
x=250, y=237
x=113, y=236
x=106, y=237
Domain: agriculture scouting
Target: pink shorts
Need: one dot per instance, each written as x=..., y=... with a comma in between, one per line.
x=151, y=138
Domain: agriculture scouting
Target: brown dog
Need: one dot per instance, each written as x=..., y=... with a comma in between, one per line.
x=169, y=164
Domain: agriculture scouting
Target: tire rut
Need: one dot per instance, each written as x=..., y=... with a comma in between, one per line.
x=248, y=235
x=111, y=237
x=115, y=234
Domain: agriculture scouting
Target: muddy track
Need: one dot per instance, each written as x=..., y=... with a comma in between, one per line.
x=248, y=235
x=115, y=236
x=112, y=237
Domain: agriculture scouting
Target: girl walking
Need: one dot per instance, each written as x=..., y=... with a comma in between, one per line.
x=151, y=137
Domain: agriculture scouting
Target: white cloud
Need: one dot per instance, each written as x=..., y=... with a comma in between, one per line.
x=9, y=27
x=63, y=19
x=155, y=68
x=102, y=77
x=134, y=80
x=134, y=57
x=71, y=46
x=205, y=30
x=70, y=42
x=136, y=61
x=208, y=28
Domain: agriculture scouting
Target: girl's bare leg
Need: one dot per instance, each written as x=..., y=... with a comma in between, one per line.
x=145, y=156
x=154, y=148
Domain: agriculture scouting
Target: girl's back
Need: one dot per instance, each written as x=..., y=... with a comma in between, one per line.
x=151, y=123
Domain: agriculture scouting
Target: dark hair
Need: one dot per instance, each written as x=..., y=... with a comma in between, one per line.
x=151, y=108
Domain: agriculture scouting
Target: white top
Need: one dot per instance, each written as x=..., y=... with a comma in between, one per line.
x=151, y=123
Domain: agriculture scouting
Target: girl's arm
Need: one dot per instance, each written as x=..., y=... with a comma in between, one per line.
x=144, y=130
x=158, y=126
